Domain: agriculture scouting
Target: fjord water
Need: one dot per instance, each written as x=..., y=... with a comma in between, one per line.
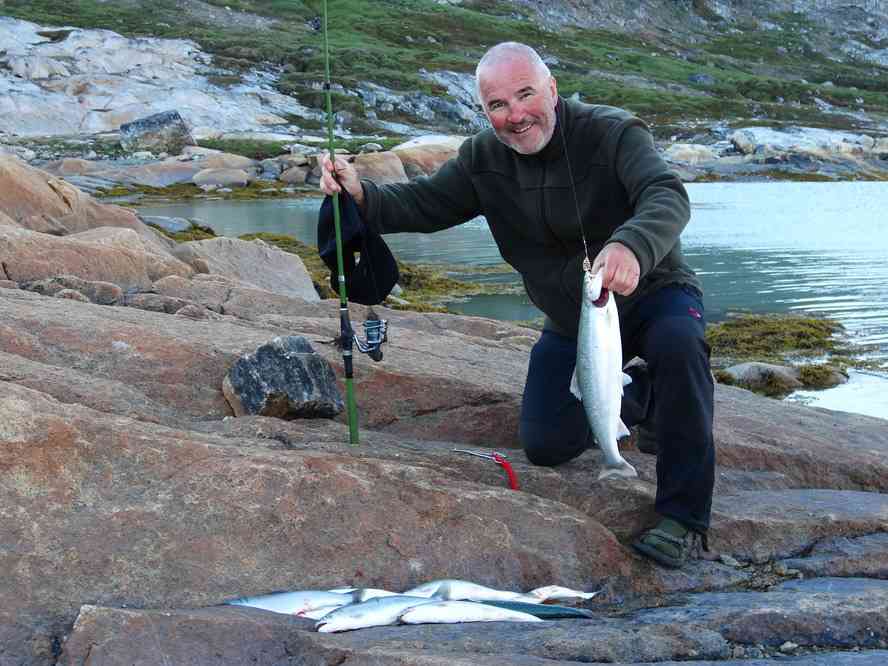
x=817, y=248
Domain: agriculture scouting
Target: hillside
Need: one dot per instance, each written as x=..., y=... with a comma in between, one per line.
x=406, y=63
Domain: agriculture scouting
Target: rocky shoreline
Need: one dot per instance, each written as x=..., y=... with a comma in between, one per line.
x=138, y=493
x=134, y=502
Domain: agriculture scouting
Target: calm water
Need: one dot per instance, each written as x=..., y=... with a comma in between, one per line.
x=819, y=248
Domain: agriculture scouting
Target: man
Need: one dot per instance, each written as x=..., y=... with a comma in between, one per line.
x=545, y=163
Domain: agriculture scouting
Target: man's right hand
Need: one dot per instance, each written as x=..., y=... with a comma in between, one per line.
x=342, y=176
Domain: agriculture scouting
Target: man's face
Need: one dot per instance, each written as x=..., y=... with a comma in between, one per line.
x=520, y=102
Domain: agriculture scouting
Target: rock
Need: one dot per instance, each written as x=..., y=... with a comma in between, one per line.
x=155, y=303
x=221, y=177
x=296, y=175
x=370, y=148
x=171, y=224
x=425, y=159
x=37, y=201
x=101, y=293
x=252, y=263
x=702, y=79
x=229, y=161
x=381, y=168
x=235, y=635
x=744, y=141
x=688, y=153
x=284, y=378
x=158, y=174
x=806, y=613
x=29, y=256
x=159, y=262
x=71, y=295
x=160, y=132
x=181, y=509
x=765, y=377
x=842, y=556
x=764, y=525
x=796, y=446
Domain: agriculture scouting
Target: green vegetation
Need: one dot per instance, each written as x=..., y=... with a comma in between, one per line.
x=257, y=150
x=770, y=75
x=424, y=287
x=772, y=337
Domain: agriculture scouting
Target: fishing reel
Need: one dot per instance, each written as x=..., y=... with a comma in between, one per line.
x=375, y=333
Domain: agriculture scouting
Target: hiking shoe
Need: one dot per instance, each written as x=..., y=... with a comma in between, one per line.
x=670, y=543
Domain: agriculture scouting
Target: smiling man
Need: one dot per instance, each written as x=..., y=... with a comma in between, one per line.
x=545, y=167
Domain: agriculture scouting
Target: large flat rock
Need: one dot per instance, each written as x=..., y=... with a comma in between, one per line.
x=808, y=447
x=836, y=613
x=236, y=636
x=843, y=556
x=763, y=525
x=103, y=509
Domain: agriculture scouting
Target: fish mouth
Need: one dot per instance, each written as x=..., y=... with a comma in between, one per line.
x=601, y=301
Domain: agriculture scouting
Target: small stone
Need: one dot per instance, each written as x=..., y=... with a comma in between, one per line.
x=788, y=647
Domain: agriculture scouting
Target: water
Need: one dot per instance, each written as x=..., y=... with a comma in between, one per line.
x=809, y=248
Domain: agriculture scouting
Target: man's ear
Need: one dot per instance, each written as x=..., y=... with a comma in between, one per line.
x=553, y=87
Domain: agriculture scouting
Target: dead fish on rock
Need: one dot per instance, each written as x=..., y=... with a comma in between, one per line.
x=598, y=378
x=461, y=590
x=377, y=612
x=448, y=612
x=558, y=593
x=294, y=603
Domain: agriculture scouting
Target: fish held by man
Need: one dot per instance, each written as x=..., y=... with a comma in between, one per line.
x=598, y=378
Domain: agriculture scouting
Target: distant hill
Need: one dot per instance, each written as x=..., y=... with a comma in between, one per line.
x=677, y=63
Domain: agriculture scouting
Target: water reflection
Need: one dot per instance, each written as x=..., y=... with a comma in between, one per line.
x=816, y=248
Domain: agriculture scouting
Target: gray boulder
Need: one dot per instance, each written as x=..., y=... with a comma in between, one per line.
x=162, y=132
x=285, y=378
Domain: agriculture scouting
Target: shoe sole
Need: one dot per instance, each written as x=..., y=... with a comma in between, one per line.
x=657, y=555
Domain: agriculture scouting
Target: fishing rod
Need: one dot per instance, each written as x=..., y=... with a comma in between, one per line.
x=347, y=336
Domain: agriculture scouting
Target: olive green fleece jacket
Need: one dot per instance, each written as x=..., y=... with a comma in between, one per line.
x=625, y=193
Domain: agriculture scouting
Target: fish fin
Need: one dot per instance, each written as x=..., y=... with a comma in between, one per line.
x=625, y=471
x=627, y=379
x=575, y=386
x=622, y=430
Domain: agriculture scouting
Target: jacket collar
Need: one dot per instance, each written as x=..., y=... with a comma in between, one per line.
x=554, y=150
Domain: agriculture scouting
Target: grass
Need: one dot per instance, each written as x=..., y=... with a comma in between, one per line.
x=390, y=41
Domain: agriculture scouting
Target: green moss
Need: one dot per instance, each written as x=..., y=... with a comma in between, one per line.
x=254, y=149
x=764, y=337
x=818, y=376
x=196, y=232
x=724, y=377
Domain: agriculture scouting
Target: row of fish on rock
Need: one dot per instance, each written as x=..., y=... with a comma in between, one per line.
x=436, y=602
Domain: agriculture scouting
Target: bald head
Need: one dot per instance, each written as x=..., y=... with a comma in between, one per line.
x=509, y=52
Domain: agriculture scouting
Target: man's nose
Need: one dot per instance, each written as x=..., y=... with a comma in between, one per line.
x=516, y=113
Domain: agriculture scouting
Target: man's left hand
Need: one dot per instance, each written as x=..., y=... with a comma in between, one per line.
x=621, y=269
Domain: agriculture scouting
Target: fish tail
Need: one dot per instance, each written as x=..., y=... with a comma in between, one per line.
x=621, y=470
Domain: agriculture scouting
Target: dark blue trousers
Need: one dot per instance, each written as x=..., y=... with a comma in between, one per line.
x=666, y=330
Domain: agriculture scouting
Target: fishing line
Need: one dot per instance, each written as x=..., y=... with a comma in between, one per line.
x=587, y=263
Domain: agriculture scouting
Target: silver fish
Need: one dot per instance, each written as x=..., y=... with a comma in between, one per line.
x=453, y=589
x=446, y=612
x=558, y=593
x=598, y=379
x=294, y=603
x=377, y=612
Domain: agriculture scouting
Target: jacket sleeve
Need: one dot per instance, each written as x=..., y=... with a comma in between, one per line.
x=658, y=198
x=427, y=204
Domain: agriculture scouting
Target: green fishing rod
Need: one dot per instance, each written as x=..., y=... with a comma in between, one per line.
x=346, y=338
